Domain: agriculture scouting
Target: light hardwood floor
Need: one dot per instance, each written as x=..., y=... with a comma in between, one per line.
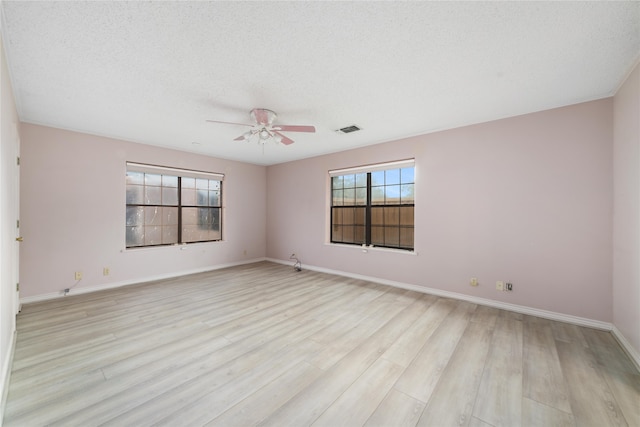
x=262, y=344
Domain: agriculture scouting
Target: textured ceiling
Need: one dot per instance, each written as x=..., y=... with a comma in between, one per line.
x=154, y=72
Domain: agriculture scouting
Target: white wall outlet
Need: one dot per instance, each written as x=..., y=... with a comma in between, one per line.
x=78, y=275
x=473, y=281
x=499, y=286
x=105, y=271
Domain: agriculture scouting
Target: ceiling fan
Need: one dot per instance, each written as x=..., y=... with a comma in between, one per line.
x=264, y=128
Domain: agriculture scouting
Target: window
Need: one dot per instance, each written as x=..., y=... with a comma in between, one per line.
x=167, y=206
x=374, y=205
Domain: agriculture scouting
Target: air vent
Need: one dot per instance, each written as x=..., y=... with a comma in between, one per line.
x=348, y=129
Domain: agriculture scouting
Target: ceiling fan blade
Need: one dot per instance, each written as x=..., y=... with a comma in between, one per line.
x=284, y=139
x=294, y=128
x=246, y=136
x=261, y=116
x=229, y=123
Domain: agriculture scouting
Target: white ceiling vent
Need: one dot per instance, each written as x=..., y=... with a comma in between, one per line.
x=349, y=129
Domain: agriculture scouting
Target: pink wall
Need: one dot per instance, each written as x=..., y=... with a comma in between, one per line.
x=73, y=212
x=626, y=220
x=526, y=199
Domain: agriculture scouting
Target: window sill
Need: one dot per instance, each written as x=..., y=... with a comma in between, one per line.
x=367, y=249
x=177, y=246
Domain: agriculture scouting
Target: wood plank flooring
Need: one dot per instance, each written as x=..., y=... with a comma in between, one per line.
x=262, y=344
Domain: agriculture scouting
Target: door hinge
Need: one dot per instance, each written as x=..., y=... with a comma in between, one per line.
x=17, y=287
x=18, y=161
x=17, y=223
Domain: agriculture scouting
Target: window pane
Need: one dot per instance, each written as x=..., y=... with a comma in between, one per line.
x=135, y=194
x=202, y=198
x=135, y=178
x=406, y=193
x=349, y=196
x=392, y=176
x=336, y=217
x=193, y=233
x=359, y=235
x=152, y=235
x=377, y=195
x=135, y=215
x=169, y=196
x=347, y=234
x=152, y=215
x=361, y=180
x=377, y=217
x=169, y=181
x=215, y=214
x=391, y=216
x=152, y=179
x=360, y=216
x=202, y=184
x=377, y=236
x=406, y=237
x=214, y=235
x=392, y=194
x=207, y=225
x=392, y=236
x=406, y=215
x=214, y=198
x=377, y=178
x=188, y=183
x=189, y=216
x=361, y=196
x=214, y=185
x=349, y=181
x=188, y=197
x=407, y=175
x=204, y=219
x=170, y=216
x=336, y=233
x=134, y=236
x=152, y=195
x=336, y=182
x=338, y=195
x=347, y=216
x=169, y=234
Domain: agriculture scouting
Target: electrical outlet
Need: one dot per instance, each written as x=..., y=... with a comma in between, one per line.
x=78, y=275
x=508, y=286
x=473, y=281
x=105, y=271
x=499, y=286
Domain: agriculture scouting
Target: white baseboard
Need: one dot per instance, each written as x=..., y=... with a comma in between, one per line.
x=627, y=347
x=104, y=286
x=551, y=315
x=561, y=317
x=6, y=375
x=580, y=321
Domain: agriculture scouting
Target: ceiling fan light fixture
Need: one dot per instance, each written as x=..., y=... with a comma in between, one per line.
x=263, y=127
x=264, y=134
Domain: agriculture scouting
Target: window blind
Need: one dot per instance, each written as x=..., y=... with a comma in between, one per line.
x=373, y=167
x=160, y=170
